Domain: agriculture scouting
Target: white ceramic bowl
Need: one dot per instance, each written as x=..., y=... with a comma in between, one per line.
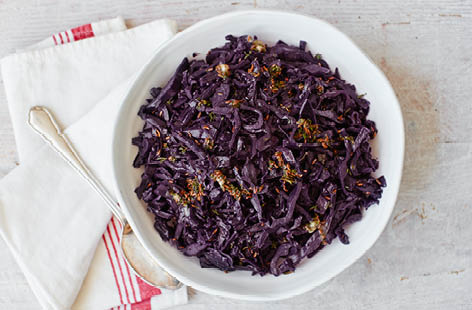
x=270, y=26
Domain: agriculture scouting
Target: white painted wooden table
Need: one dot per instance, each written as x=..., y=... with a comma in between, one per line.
x=423, y=260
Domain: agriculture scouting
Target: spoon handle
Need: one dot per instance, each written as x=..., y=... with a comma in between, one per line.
x=42, y=121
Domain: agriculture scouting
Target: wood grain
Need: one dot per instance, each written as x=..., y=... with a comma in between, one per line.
x=423, y=260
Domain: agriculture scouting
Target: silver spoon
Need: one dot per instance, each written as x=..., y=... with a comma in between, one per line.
x=42, y=121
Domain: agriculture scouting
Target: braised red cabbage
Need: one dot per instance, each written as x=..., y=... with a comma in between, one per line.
x=256, y=157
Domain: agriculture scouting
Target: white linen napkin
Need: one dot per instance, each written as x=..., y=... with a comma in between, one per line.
x=49, y=217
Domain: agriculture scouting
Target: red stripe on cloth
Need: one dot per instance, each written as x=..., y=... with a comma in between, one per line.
x=82, y=32
x=113, y=268
x=54, y=38
x=67, y=35
x=143, y=305
x=60, y=37
x=126, y=265
x=146, y=290
x=119, y=264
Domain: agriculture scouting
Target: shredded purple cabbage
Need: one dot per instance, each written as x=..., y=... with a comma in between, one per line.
x=256, y=157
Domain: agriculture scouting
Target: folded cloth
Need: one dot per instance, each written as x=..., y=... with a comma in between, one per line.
x=81, y=32
x=52, y=220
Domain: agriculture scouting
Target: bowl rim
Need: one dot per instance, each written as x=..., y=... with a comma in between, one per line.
x=303, y=287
